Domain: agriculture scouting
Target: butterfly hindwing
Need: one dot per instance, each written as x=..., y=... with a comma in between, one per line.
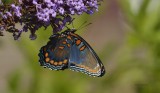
x=55, y=54
x=84, y=59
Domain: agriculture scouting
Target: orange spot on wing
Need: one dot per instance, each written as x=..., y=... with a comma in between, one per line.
x=88, y=69
x=82, y=66
x=52, y=61
x=55, y=63
x=69, y=37
x=65, y=61
x=78, y=42
x=60, y=63
x=68, y=45
x=47, y=59
x=61, y=47
x=82, y=48
x=64, y=42
x=46, y=54
x=74, y=34
x=94, y=71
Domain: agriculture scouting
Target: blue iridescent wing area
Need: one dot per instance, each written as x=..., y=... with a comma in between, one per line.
x=84, y=59
x=55, y=54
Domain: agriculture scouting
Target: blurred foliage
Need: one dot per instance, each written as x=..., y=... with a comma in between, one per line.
x=137, y=61
x=7, y=1
x=145, y=38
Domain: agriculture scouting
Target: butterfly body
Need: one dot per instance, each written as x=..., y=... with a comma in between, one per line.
x=69, y=50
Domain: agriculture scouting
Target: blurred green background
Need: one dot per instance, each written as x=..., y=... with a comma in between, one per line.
x=126, y=36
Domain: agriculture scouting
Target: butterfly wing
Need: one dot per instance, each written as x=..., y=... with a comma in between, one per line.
x=84, y=59
x=55, y=54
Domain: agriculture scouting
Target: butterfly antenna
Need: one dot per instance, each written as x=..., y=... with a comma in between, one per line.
x=80, y=27
x=72, y=23
x=83, y=25
x=67, y=27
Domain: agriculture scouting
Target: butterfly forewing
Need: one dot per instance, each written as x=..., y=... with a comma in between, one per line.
x=84, y=59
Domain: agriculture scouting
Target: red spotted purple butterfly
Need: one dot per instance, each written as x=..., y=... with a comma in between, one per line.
x=69, y=50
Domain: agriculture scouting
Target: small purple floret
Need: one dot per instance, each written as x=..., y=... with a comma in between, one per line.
x=34, y=14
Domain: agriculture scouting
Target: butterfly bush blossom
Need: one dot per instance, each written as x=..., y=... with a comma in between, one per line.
x=34, y=14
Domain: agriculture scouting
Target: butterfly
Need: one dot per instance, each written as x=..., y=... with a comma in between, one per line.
x=68, y=50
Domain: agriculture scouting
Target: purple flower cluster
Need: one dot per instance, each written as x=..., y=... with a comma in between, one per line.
x=34, y=14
